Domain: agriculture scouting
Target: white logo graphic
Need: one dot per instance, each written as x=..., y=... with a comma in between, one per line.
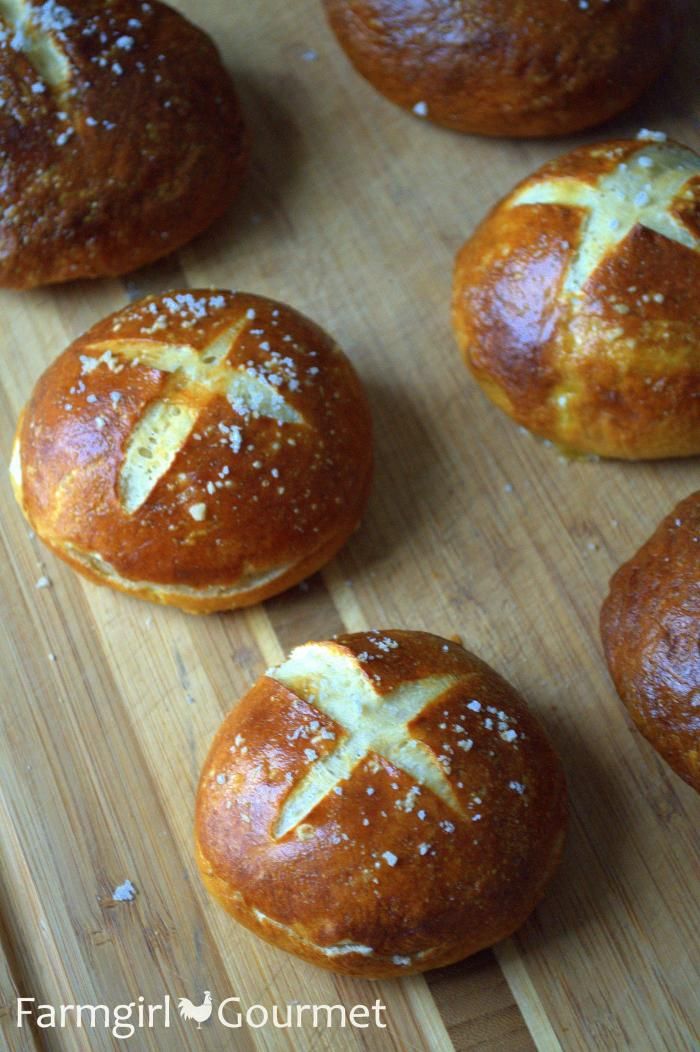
x=124, y=1020
x=200, y=1013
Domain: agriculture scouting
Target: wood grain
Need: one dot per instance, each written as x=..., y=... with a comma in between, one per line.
x=352, y=213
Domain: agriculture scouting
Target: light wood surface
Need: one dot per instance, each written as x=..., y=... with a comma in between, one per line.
x=352, y=213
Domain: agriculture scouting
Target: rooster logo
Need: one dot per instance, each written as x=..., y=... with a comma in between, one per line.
x=200, y=1013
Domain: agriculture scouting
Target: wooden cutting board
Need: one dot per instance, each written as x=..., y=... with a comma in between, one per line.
x=353, y=212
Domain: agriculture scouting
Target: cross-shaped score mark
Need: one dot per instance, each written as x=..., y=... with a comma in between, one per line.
x=30, y=30
x=641, y=190
x=196, y=377
x=334, y=684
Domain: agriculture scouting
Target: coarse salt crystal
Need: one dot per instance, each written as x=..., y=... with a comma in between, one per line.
x=651, y=136
x=198, y=511
x=125, y=892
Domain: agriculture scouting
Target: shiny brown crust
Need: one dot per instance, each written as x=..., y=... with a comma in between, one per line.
x=384, y=877
x=132, y=155
x=579, y=319
x=650, y=626
x=509, y=67
x=249, y=505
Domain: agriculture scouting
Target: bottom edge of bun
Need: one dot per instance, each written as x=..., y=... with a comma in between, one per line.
x=248, y=590
x=349, y=957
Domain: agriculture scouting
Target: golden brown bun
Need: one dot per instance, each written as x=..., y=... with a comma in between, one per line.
x=120, y=134
x=497, y=67
x=203, y=449
x=650, y=624
x=576, y=301
x=380, y=804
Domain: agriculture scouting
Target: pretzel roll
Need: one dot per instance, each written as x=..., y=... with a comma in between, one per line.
x=380, y=804
x=509, y=67
x=576, y=301
x=120, y=137
x=203, y=449
x=650, y=625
